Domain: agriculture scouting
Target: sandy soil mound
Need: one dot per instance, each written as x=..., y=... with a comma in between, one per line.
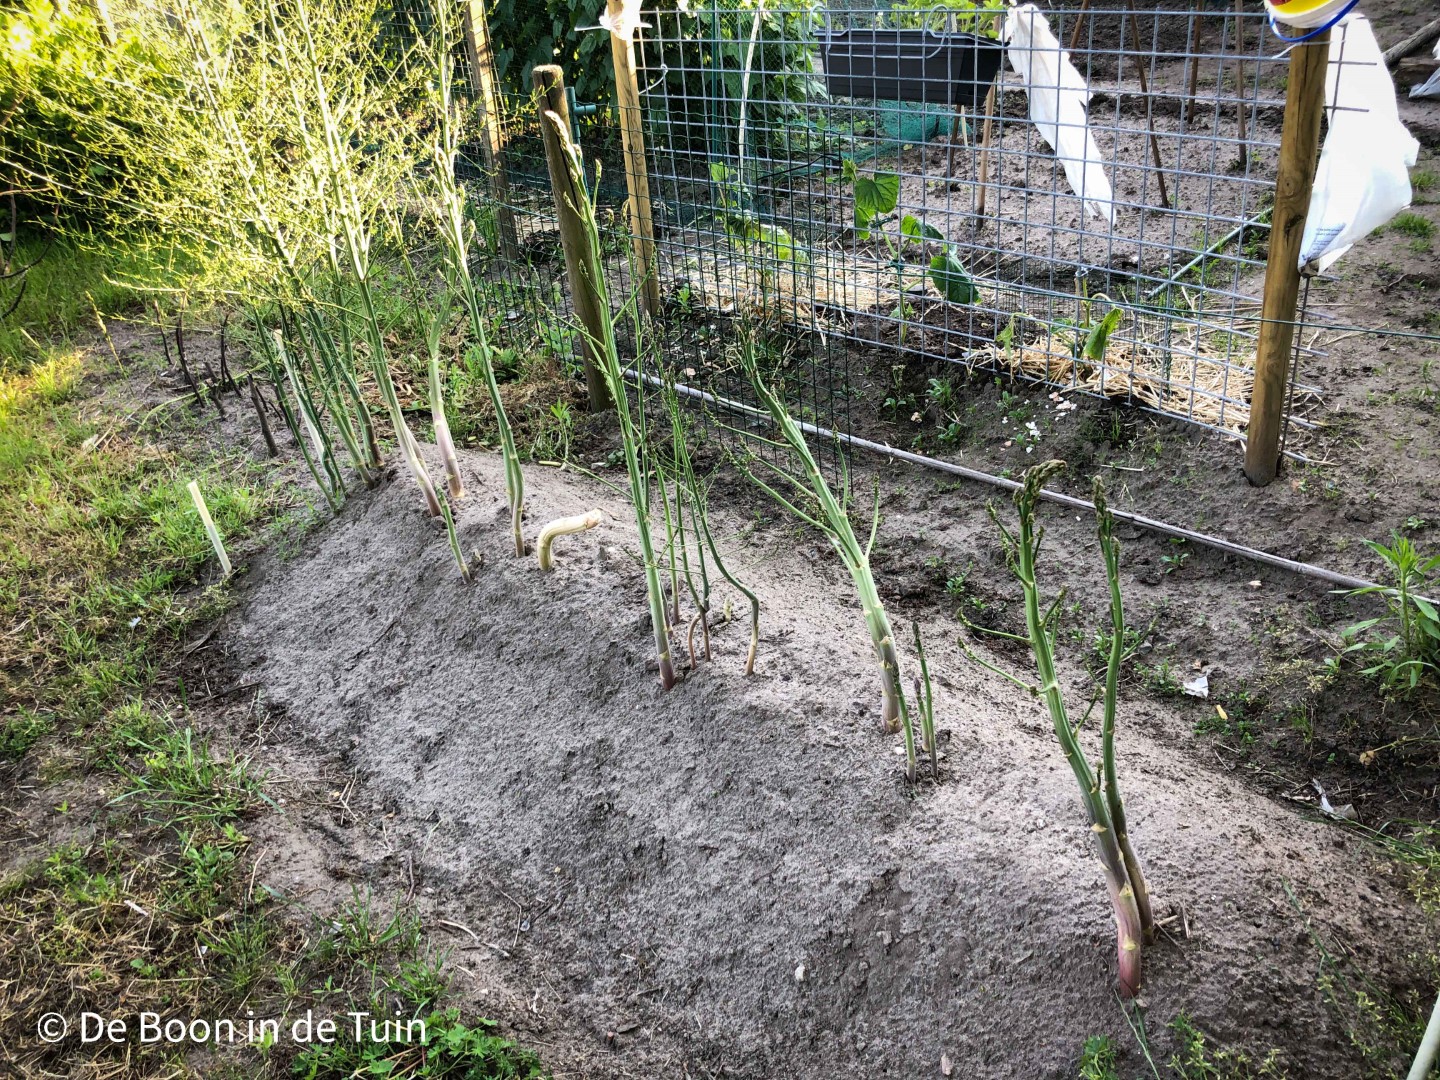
x=680, y=857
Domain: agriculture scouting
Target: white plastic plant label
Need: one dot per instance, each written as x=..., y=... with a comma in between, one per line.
x=1363, y=179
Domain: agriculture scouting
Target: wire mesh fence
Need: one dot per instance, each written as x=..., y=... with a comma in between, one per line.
x=936, y=185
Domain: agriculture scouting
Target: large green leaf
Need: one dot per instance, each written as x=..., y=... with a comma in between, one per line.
x=1099, y=337
x=952, y=279
x=781, y=243
x=918, y=230
x=875, y=194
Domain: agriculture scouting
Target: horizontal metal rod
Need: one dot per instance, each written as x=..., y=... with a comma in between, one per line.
x=1309, y=570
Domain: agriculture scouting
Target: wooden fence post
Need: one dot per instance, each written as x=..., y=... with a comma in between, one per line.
x=1299, y=150
x=549, y=83
x=637, y=174
x=105, y=22
x=492, y=134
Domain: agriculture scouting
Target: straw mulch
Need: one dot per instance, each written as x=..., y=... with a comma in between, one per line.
x=1204, y=389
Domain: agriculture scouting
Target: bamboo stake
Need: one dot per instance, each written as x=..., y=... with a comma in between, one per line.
x=1079, y=23
x=549, y=83
x=987, y=136
x=1299, y=151
x=1408, y=45
x=1149, y=112
x=1192, y=80
x=492, y=134
x=1242, y=110
x=637, y=175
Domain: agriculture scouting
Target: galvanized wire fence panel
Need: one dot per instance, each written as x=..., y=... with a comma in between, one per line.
x=853, y=183
x=919, y=208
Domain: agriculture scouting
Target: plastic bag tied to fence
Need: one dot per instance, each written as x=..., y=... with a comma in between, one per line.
x=1363, y=179
x=1058, y=97
x=625, y=22
x=1431, y=86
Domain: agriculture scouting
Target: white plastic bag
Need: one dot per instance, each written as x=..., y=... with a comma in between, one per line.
x=1431, y=86
x=1363, y=179
x=1058, y=97
x=628, y=21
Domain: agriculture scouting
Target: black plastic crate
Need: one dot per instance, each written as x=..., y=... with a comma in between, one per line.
x=892, y=64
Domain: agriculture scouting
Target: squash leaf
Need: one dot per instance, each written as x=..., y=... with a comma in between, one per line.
x=952, y=279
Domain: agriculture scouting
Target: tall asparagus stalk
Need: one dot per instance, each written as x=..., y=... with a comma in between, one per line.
x=454, y=230
x=443, y=441
x=692, y=494
x=335, y=167
x=631, y=437
x=1110, y=549
x=833, y=520
x=1100, y=794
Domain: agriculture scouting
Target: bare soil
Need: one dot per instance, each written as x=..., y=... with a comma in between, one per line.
x=732, y=877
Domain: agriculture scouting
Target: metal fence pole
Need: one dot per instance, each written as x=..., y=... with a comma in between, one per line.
x=1299, y=149
x=549, y=82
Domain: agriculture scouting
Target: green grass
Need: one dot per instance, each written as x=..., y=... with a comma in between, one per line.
x=1196, y=1059
x=97, y=535
x=1385, y=1028
x=1192, y=1055
x=1408, y=223
x=455, y=1050
x=68, y=282
x=145, y=892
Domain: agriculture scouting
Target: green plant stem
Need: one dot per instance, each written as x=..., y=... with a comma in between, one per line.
x=671, y=536
x=443, y=441
x=562, y=527
x=834, y=522
x=608, y=352
x=684, y=494
x=1022, y=550
x=453, y=230
x=454, y=539
x=1110, y=549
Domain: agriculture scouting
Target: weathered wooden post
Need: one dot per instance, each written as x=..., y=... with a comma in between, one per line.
x=492, y=135
x=632, y=132
x=105, y=22
x=1299, y=150
x=549, y=82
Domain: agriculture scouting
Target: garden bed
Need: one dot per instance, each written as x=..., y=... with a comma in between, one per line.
x=733, y=876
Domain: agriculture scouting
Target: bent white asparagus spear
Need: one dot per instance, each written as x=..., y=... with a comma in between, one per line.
x=563, y=527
